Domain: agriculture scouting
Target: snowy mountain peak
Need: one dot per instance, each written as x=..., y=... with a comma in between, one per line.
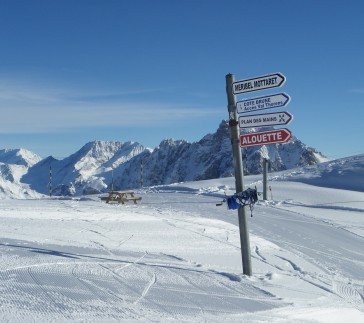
x=129, y=164
x=170, y=143
x=83, y=171
x=14, y=163
x=19, y=157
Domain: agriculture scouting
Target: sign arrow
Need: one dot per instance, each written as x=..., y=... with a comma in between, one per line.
x=268, y=119
x=264, y=102
x=265, y=137
x=259, y=83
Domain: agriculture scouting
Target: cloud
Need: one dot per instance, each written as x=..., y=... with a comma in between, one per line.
x=32, y=109
x=360, y=91
x=30, y=93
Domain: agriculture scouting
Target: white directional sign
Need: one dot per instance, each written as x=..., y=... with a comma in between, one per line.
x=262, y=120
x=264, y=102
x=259, y=83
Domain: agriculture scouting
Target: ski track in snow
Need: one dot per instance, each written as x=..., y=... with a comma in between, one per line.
x=352, y=292
x=63, y=285
x=158, y=261
x=313, y=279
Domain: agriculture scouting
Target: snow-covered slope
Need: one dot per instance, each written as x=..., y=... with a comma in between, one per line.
x=11, y=190
x=175, y=256
x=12, y=172
x=345, y=173
x=14, y=163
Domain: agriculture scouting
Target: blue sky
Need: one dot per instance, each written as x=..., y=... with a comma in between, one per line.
x=73, y=71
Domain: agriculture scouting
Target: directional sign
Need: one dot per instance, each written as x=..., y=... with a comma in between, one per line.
x=268, y=119
x=264, y=102
x=258, y=83
x=266, y=137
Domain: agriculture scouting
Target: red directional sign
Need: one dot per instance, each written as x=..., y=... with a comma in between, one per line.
x=279, y=136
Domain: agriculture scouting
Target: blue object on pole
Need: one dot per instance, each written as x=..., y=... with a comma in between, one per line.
x=239, y=200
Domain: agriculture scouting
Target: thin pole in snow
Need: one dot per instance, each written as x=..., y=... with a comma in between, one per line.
x=50, y=181
x=265, y=179
x=239, y=176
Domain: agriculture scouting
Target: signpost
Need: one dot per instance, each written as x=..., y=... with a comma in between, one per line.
x=259, y=83
x=268, y=119
x=239, y=177
x=263, y=102
x=258, y=138
x=265, y=137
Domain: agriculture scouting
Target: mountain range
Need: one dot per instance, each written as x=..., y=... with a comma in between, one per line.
x=100, y=166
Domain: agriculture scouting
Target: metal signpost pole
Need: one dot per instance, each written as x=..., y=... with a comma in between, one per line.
x=112, y=178
x=50, y=181
x=141, y=174
x=239, y=177
x=265, y=179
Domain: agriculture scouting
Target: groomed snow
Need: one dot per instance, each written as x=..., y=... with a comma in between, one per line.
x=175, y=257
